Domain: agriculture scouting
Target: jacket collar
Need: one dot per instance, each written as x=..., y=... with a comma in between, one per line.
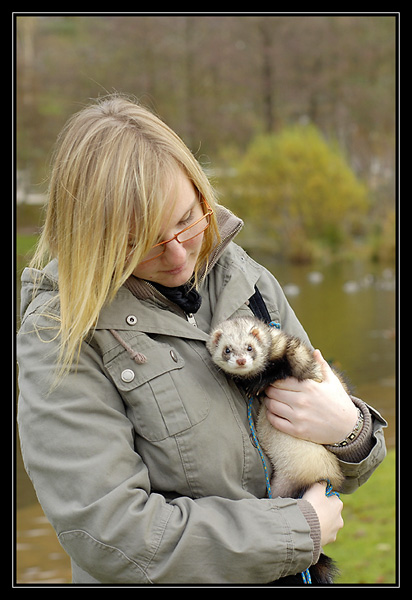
x=229, y=226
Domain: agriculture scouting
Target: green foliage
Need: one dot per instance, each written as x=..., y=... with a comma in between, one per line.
x=218, y=81
x=383, y=237
x=297, y=188
x=365, y=549
x=215, y=80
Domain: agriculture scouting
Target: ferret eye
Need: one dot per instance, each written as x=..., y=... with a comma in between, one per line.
x=249, y=348
x=227, y=350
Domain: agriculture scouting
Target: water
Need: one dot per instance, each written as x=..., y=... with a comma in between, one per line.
x=348, y=311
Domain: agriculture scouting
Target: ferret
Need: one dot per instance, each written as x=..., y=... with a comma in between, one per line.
x=256, y=355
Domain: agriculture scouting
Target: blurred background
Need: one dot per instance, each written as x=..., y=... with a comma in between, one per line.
x=294, y=120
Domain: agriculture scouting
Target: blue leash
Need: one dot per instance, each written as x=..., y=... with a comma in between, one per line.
x=328, y=492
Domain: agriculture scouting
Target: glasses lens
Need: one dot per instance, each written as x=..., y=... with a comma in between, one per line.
x=194, y=230
x=183, y=236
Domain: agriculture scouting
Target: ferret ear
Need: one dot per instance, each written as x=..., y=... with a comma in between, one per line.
x=255, y=332
x=216, y=337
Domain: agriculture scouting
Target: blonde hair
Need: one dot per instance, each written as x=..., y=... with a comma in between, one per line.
x=114, y=166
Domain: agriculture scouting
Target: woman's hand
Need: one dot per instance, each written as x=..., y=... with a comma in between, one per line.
x=328, y=509
x=319, y=412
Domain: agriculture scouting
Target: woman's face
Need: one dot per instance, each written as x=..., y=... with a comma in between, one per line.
x=176, y=265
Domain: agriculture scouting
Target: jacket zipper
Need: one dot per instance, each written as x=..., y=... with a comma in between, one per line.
x=188, y=316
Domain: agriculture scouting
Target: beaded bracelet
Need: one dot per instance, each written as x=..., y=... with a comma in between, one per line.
x=353, y=434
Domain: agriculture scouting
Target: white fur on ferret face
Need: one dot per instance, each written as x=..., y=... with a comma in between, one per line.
x=238, y=348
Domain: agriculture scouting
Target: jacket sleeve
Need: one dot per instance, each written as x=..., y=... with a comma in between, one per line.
x=78, y=448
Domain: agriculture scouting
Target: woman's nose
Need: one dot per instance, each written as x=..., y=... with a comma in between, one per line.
x=174, y=254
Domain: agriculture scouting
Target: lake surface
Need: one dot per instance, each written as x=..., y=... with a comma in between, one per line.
x=349, y=313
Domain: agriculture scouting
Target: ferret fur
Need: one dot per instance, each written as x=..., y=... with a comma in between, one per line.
x=256, y=355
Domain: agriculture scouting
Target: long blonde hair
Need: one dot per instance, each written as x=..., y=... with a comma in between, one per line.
x=114, y=165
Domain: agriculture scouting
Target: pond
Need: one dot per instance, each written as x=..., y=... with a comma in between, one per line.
x=348, y=311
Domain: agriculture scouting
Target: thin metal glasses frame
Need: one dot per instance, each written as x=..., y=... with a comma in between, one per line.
x=176, y=236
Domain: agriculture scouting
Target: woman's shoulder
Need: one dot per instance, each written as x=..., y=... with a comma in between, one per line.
x=235, y=256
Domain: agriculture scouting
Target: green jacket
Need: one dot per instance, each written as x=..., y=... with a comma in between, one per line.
x=147, y=471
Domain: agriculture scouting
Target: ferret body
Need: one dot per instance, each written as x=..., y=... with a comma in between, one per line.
x=255, y=355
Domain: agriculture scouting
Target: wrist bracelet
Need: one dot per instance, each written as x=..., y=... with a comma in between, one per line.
x=353, y=434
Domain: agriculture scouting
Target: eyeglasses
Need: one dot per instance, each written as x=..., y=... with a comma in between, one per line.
x=183, y=236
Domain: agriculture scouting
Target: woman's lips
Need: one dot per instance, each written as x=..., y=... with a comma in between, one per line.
x=176, y=271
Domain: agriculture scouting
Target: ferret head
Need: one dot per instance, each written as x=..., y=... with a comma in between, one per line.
x=240, y=346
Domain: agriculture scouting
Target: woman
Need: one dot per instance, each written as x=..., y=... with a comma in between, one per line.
x=138, y=447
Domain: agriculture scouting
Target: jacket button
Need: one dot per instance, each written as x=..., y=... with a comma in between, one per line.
x=131, y=320
x=127, y=375
x=174, y=356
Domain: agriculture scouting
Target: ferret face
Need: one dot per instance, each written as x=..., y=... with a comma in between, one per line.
x=236, y=360
x=238, y=350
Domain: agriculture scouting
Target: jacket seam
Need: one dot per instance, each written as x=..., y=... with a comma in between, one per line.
x=289, y=545
x=108, y=546
x=183, y=462
x=161, y=536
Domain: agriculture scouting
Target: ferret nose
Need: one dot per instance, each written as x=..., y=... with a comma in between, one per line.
x=241, y=361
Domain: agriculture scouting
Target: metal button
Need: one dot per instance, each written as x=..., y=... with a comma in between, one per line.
x=131, y=320
x=127, y=375
x=174, y=356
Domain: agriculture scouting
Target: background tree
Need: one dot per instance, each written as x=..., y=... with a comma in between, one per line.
x=298, y=191
x=219, y=81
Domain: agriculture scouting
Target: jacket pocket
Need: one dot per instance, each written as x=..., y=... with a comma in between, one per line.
x=162, y=396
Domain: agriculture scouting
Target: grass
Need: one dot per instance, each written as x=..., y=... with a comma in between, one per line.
x=365, y=549
x=25, y=244
x=28, y=222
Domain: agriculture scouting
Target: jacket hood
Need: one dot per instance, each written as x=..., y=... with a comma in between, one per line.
x=35, y=282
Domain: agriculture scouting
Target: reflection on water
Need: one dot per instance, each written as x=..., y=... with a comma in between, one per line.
x=40, y=558
x=348, y=311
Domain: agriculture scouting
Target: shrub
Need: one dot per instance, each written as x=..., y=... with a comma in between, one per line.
x=299, y=188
